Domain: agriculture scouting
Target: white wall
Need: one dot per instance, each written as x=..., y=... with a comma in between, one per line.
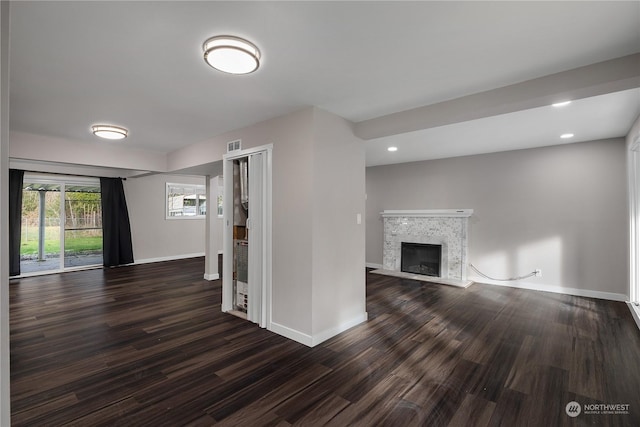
x=5, y=412
x=309, y=146
x=291, y=136
x=562, y=209
x=291, y=213
x=155, y=237
x=339, y=296
x=98, y=154
x=213, y=229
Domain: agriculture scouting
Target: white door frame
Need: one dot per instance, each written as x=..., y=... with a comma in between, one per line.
x=63, y=181
x=227, y=235
x=634, y=227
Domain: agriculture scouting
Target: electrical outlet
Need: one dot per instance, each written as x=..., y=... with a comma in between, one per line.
x=538, y=272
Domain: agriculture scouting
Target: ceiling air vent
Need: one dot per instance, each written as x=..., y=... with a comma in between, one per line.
x=234, y=145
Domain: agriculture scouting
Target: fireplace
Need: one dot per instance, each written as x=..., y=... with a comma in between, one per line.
x=447, y=228
x=421, y=258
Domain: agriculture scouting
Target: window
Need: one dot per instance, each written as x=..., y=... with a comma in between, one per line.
x=186, y=201
x=220, y=196
x=61, y=223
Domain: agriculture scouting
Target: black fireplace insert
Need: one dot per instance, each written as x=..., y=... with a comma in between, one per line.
x=421, y=258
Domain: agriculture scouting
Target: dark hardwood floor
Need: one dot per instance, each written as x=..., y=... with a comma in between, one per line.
x=147, y=345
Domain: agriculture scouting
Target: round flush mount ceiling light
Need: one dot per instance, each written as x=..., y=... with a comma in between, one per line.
x=109, y=131
x=561, y=104
x=566, y=135
x=392, y=149
x=231, y=54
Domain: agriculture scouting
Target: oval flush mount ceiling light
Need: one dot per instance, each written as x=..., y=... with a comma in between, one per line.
x=231, y=54
x=109, y=131
x=561, y=104
x=392, y=149
x=566, y=135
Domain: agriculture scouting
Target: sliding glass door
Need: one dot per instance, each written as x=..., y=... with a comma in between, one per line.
x=40, y=238
x=82, y=225
x=61, y=223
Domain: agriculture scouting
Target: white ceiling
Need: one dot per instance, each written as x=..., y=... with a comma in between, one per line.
x=597, y=117
x=139, y=65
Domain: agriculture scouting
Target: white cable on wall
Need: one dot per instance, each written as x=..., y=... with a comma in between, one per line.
x=533, y=273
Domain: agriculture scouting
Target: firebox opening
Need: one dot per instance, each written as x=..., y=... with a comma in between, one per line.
x=421, y=258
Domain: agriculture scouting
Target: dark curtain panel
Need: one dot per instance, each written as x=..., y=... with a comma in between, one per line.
x=15, y=219
x=116, y=230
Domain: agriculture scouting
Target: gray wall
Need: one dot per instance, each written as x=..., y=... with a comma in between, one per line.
x=317, y=251
x=155, y=237
x=562, y=209
x=5, y=413
x=338, y=240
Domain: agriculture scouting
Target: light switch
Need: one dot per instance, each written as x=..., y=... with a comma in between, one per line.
x=358, y=219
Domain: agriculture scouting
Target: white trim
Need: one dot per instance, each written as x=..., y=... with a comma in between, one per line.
x=374, y=265
x=332, y=332
x=95, y=266
x=167, y=258
x=635, y=145
x=189, y=217
x=555, y=289
x=292, y=334
x=227, y=236
x=423, y=278
x=635, y=312
x=435, y=213
x=633, y=173
x=313, y=340
x=244, y=153
x=227, y=239
x=211, y=277
x=58, y=271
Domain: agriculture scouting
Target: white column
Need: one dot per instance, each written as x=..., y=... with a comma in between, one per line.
x=212, y=221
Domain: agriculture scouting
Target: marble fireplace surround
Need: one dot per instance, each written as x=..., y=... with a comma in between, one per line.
x=446, y=227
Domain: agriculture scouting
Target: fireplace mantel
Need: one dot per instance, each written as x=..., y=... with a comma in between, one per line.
x=429, y=213
x=445, y=227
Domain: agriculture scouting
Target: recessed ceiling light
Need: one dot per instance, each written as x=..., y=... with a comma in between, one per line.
x=561, y=104
x=231, y=54
x=566, y=135
x=109, y=131
x=392, y=149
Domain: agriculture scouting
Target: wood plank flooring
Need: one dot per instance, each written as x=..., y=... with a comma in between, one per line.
x=147, y=345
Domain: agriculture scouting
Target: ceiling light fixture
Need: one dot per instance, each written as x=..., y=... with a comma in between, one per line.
x=231, y=54
x=566, y=135
x=561, y=104
x=109, y=131
x=392, y=149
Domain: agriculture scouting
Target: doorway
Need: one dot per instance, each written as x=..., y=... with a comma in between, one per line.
x=61, y=224
x=246, y=291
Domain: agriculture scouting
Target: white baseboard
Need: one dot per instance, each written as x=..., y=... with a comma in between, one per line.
x=210, y=277
x=292, y=334
x=312, y=341
x=373, y=265
x=332, y=332
x=554, y=288
x=168, y=258
x=635, y=312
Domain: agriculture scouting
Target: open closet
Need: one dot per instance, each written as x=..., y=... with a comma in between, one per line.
x=246, y=289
